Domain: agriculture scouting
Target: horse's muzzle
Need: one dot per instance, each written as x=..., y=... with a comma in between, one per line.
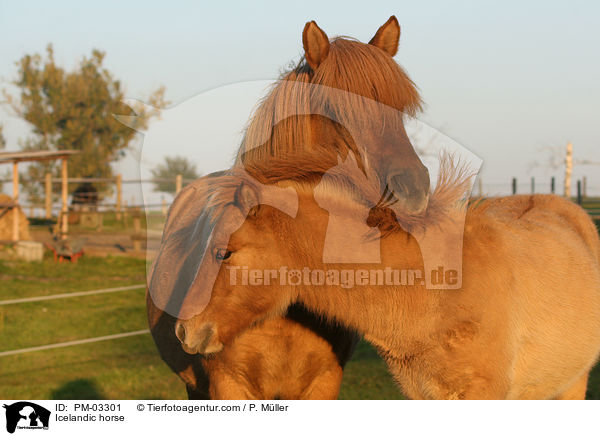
x=198, y=340
x=411, y=188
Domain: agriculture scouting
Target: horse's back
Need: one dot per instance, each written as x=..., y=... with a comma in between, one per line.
x=543, y=274
x=552, y=209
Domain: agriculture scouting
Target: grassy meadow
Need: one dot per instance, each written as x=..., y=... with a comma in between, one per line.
x=126, y=368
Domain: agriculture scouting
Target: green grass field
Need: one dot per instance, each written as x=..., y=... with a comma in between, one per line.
x=127, y=368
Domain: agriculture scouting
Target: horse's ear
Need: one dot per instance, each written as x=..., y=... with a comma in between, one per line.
x=316, y=44
x=388, y=36
x=246, y=198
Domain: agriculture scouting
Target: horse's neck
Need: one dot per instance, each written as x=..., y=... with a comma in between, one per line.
x=377, y=309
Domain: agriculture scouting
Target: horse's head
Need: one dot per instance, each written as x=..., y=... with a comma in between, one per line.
x=368, y=70
x=264, y=242
x=343, y=82
x=211, y=239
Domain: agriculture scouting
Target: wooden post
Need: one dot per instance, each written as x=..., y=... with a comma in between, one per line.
x=15, y=211
x=137, y=229
x=553, y=185
x=579, y=192
x=533, y=185
x=137, y=225
x=514, y=185
x=119, y=182
x=65, y=197
x=125, y=214
x=178, y=180
x=568, y=169
x=48, y=196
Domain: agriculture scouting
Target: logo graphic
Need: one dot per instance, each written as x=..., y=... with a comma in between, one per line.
x=26, y=415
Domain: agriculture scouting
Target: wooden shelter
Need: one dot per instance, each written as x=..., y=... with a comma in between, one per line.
x=32, y=156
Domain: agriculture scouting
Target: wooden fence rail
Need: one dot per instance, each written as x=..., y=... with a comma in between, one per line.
x=118, y=205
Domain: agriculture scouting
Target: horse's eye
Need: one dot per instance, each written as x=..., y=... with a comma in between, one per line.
x=223, y=254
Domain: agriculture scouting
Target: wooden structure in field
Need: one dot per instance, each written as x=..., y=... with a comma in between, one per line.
x=32, y=156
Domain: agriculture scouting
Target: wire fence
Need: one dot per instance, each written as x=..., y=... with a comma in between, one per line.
x=72, y=343
x=579, y=187
x=70, y=295
x=78, y=341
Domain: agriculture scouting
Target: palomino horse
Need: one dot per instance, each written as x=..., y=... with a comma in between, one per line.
x=344, y=96
x=350, y=84
x=524, y=325
x=299, y=356
x=296, y=357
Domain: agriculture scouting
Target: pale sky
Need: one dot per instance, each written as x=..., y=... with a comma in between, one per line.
x=502, y=78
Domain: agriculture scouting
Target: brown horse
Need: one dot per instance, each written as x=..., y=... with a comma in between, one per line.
x=299, y=356
x=525, y=323
x=345, y=84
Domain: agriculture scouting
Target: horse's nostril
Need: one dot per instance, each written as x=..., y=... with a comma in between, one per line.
x=411, y=189
x=180, y=332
